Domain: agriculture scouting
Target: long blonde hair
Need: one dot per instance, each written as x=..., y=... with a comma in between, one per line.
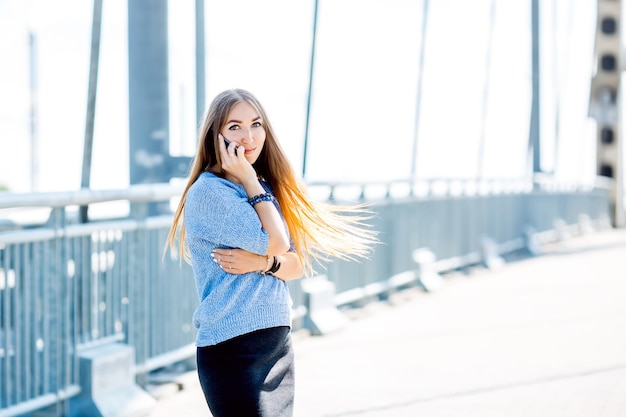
x=320, y=231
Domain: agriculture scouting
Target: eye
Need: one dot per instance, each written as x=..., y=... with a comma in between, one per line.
x=256, y=124
x=234, y=127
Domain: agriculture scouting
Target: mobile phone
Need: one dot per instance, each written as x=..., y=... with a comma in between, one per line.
x=227, y=142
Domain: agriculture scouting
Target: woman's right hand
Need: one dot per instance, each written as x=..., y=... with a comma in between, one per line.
x=235, y=163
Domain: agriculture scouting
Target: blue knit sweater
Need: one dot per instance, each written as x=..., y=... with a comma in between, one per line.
x=218, y=215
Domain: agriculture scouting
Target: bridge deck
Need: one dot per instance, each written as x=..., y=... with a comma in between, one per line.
x=538, y=337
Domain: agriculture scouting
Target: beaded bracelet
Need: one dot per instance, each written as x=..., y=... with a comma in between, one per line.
x=260, y=197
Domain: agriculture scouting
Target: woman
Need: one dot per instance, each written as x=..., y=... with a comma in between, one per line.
x=247, y=225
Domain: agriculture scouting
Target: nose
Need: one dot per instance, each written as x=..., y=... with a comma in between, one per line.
x=247, y=136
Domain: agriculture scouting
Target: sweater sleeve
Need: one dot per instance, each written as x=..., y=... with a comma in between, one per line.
x=218, y=211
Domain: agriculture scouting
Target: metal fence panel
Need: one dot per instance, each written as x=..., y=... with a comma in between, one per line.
x=66, y=287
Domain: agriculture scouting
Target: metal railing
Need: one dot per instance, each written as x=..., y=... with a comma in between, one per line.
x=66, y=286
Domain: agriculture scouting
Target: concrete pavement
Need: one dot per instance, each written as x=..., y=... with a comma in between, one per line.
x=544, y=336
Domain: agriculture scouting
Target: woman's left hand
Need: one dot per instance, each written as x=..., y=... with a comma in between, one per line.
x=238, y=261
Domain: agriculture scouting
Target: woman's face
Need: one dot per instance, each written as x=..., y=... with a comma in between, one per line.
x=244, y=127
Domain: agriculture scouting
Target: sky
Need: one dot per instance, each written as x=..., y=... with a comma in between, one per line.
x=364, y=117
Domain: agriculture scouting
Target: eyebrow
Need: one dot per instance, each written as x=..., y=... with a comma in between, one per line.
x=239, y=121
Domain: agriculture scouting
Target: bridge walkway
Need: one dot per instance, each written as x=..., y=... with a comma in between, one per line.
x=543, y=336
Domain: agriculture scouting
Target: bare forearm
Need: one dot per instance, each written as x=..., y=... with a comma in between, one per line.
x=270, y=220
x=240, y=261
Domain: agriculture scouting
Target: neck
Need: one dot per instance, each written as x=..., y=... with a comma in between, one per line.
x=232, y=179
x=223, y=175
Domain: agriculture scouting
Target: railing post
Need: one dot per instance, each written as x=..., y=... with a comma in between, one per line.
x=322, y=316
x=107, y=372
x=138, y=320
x=57, y=341
x=428, y=276
x=108, y=388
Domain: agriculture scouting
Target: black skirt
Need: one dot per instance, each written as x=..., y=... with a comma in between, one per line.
x=250, y=375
